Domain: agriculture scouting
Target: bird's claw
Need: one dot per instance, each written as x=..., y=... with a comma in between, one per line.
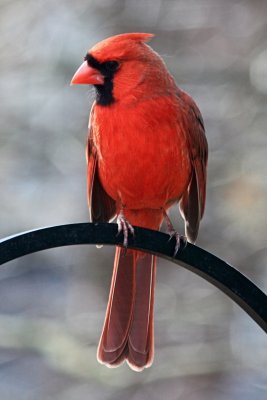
x=181, y=241
x=124, y=226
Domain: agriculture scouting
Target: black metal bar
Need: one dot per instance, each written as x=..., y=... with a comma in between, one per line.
x=216, y=271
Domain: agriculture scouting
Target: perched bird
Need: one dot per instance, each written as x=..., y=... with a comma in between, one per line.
x=146, y=151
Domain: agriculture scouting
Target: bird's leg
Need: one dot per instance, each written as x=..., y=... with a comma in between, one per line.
x=180, y=239
x=124, y=226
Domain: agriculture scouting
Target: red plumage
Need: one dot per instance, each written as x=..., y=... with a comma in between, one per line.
x=146, y=151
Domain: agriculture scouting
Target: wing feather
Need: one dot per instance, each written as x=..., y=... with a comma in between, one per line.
x=102, y=207
x=192, y=204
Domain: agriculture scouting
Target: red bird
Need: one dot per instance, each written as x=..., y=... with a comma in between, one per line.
x=146, y=151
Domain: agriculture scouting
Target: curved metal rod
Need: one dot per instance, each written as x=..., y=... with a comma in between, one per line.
x=214, y=270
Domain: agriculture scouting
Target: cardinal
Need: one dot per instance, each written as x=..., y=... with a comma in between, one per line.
x=146, y=152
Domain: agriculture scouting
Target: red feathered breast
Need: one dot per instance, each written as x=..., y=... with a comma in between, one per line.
x=143, y=157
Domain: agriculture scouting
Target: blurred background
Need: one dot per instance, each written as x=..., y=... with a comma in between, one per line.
x=52, y=304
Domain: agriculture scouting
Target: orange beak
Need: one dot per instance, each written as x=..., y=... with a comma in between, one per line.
x=86, y=75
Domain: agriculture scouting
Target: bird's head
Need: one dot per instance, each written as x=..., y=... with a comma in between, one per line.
x=121, y=67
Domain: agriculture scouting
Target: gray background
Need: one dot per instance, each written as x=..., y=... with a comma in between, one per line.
x=52, y=304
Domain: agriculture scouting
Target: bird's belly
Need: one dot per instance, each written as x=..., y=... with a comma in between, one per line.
x=145, y=171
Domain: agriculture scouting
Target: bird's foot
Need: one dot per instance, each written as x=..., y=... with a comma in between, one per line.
x=125, y=227
x=181, y=240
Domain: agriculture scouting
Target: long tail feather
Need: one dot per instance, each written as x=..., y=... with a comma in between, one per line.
x=141, y=335
x=128, y=332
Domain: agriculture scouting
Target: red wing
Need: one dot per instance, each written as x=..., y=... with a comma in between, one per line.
x=192, y=204
x=102, y=207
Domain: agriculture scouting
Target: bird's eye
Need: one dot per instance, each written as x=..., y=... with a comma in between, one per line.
x=112, y=65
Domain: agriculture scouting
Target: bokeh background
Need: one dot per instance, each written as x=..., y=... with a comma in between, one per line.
x=52, y=304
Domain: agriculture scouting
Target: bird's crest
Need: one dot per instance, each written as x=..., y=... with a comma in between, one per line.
x=137, y=36
x=119, y=45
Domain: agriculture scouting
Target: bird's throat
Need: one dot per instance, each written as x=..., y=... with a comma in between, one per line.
x=104, y=93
